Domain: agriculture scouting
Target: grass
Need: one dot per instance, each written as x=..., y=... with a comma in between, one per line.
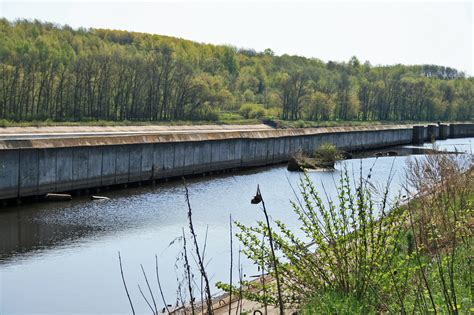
x=333, y=302
x=106, y=123
x=225, y=118
x=324, y=157
x=339, y=123
x=447, y=265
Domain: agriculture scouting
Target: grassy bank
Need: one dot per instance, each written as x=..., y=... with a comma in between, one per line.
x=233, y=119
x=432, y=270
x=370, y=255
x=334, y=302
x=106, y=123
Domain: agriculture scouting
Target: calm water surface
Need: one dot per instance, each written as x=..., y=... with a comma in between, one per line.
x=59, y=258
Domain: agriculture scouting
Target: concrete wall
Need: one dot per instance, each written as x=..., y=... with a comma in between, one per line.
x=36, y=171
x=461, y=130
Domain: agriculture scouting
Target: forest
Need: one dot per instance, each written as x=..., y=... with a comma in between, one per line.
x=54, y=72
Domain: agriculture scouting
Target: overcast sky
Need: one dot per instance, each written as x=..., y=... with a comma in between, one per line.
x=381, y=32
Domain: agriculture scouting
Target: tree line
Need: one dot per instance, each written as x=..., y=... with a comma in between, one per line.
x=55, y=72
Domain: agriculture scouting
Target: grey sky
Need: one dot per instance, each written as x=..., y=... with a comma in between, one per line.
x=381, y=32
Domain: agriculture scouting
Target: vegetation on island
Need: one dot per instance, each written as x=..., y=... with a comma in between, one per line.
x=325, y=158
x=60, y=74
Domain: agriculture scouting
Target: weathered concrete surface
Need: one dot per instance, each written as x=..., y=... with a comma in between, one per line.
x=35, y=165
x=461, y=130
x=433, y=132
x=418, y=134
x=77, y=139
x=78, y=130
x=443, y=131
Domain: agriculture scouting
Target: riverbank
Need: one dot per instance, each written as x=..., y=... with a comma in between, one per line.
x=433, y=272
x=236, y=120
x=429, y=237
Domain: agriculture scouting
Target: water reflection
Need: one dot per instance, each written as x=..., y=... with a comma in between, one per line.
x=21, y=234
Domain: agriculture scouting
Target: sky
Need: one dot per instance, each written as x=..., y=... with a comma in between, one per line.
x=382, y=32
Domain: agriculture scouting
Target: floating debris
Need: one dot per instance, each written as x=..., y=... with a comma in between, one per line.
x=58, y=197
x=99, y=198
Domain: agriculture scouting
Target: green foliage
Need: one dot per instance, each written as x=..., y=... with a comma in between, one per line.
x=230, y=116
x=404, y=280
x=328, y=154
x=352, y=243
x=252, y=111
x=360, y=254
x=331, y=302
x=58, y=73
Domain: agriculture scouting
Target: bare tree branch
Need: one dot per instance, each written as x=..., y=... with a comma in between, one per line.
x=125, y=284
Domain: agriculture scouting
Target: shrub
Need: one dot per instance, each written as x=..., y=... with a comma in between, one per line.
x=440, y=224
x=252, y=111
x=230, y=116
x=352, y=242
x=257, y=113
x=273, y=112
x=206, y=112
x=328, y=154
x=249, y=96
x=4, y=123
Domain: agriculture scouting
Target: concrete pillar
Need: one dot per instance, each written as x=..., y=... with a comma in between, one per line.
x=463, y=130
x=432, y=132
x=452, y=130
x=418, y=134
x=443, y=131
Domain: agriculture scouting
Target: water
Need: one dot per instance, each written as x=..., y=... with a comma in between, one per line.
x=59, y=258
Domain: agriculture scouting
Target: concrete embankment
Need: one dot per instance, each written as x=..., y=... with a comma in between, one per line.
x=33, y=163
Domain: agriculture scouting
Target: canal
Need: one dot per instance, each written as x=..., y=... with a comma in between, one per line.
x=59, y=258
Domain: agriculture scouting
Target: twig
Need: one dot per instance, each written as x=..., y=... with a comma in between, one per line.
x=202, y=278
x=239, y=302
x=146, y=300
x=159, y=284
x=125, y=284
x=188, y=273
x=149, y=289
x=202, y=268
x=231, y=265
x=275, y=263
x=264, y=289
x=205, y=243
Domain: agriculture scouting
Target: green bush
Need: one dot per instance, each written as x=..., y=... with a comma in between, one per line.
x=362, y=254
x=327, y=153
x=257, y=113
x=205, y=113
x=331, y=302
x=352, y=244
x=4, y=123
x=230, y=116
x=252, y=111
